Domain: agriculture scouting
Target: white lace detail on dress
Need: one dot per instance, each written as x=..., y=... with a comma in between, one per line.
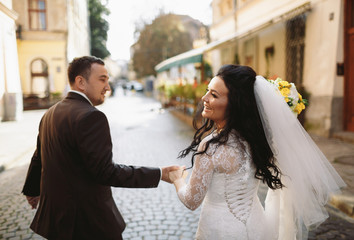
x=231, y=159
x=240, y=199
x=224, y=179
x=193, y=193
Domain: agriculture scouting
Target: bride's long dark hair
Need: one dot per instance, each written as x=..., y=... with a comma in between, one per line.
x=241, y=115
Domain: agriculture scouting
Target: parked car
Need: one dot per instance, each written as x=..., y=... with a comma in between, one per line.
x=134, y=85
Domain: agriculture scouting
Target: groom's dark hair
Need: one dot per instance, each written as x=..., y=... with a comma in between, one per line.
x=82, y=66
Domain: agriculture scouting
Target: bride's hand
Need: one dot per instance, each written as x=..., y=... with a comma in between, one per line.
x=178, y=174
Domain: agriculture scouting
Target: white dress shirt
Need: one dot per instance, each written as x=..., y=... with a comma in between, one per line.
x=82, y=94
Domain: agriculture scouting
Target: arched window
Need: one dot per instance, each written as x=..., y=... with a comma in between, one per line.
x=39, y=78
x=37, y=14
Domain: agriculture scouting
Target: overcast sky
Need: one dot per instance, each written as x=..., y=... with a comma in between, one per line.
x=125, y=13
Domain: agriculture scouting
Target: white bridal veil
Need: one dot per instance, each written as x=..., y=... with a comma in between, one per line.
x=308, y=177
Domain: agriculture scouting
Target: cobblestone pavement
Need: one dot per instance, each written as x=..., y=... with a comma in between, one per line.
x=142, y=134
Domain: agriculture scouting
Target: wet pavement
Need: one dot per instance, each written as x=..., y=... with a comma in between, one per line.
x=142, y=134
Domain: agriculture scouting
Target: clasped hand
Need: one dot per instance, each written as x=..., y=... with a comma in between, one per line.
x=178, y=174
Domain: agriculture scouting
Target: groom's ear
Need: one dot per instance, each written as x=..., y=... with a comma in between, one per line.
x=80, y=83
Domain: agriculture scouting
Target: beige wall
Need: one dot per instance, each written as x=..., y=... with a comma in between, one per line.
x=323, y=50
x=254, y=12
x=222, y=29
x=223, y=19
x=49, y=45
x=66, y=37
x=10, y=86
x=53, y=53
x=56, y=15
x=215, y=57
x=321, y=47
x=272, y=36
x=223, y=25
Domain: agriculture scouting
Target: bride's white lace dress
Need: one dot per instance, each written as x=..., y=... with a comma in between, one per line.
x=224, y=181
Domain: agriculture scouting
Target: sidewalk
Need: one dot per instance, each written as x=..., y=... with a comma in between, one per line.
x=18, y=139
x=341, y=156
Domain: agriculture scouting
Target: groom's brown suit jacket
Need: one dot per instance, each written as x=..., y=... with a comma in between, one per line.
x=72, y=171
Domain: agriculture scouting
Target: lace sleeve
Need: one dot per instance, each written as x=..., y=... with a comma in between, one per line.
x=193, y=193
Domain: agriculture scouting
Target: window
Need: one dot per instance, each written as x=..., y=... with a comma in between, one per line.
x=37, y=14
x=39, y=78
x=295, y=39
x=249, y=52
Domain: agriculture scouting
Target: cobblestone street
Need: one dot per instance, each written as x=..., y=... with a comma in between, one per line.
x=142, y=134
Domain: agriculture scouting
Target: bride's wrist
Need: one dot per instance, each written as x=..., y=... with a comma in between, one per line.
x=179, y=183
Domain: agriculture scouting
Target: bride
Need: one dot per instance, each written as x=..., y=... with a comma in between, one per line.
x=253, y=136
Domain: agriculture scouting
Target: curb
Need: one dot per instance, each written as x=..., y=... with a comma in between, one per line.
x=21, y=159
x=344, y=202
x=181, y=116
x=344, y=136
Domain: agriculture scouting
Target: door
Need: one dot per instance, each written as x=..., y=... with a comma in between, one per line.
x=349, y=66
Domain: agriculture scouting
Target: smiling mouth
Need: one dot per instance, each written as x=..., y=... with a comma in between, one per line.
x=207, y=108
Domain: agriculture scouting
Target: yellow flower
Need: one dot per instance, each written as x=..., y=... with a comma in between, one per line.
x=299, y=107
x=285, y=92
x=284, y=84
x=302, y=105
x=286, y=89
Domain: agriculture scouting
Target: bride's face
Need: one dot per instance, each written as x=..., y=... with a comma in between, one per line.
x=215, y=102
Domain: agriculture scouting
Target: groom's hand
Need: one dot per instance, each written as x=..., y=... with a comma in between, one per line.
x=178, y=174
x=165, y=173
x=33, y=201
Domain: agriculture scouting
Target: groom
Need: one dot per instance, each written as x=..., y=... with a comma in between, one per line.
x=71, y=171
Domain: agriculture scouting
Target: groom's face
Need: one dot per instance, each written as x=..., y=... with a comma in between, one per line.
x=97, y=84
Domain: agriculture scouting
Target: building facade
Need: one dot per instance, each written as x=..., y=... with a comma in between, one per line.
x=10, y=86
x=300, y=41
x=49, y=35
x=308, y=42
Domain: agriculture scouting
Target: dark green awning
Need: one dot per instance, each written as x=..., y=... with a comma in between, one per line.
x=193, y=59
x=192, y=56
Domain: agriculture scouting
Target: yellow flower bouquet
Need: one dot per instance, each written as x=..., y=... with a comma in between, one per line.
x=291, y=96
